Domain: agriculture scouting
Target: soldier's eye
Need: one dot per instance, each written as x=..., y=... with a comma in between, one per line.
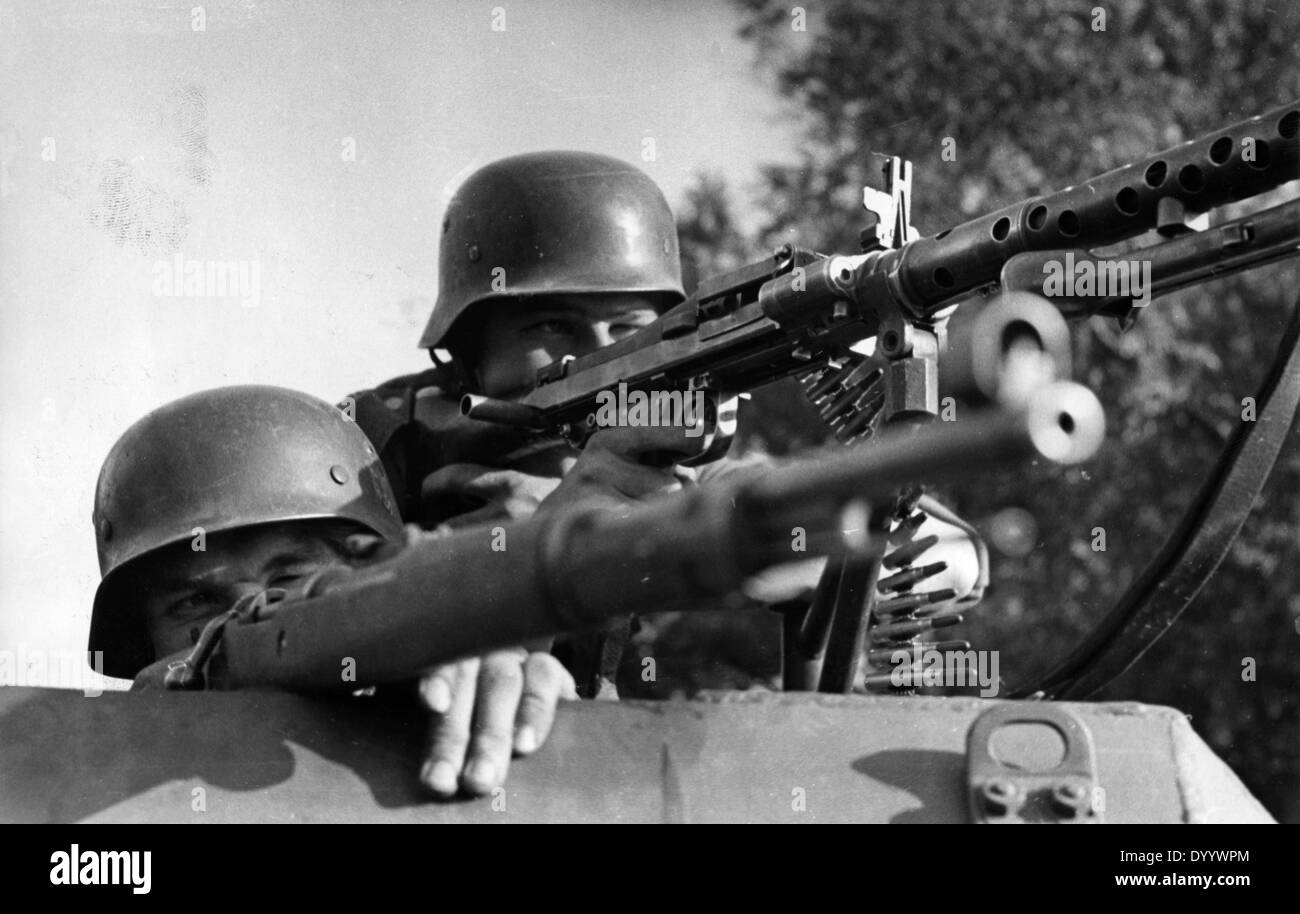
x=192, y=604
x=551, y=328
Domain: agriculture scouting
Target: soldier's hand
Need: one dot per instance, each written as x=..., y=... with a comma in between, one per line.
x=501, y=494
x=485, y=710
x=624, y=465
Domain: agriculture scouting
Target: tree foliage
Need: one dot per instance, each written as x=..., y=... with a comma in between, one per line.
x=1033, y=99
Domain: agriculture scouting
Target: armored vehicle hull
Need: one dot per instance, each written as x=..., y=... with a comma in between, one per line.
x=267, y=756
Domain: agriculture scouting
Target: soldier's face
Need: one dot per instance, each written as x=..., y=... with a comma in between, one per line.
x=518, y=338
x=184, y=589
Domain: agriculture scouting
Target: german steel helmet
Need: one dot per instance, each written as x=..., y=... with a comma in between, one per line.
x=220, y=460
x=550, y=223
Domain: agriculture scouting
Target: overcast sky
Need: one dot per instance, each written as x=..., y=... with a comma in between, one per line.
x=128, y=137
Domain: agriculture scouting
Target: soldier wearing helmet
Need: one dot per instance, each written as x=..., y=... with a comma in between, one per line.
x=241, y=491
x=542, y=256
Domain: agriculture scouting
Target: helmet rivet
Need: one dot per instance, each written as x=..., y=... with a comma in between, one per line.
x=106, y=529
x=474, y=253
x=339, y=474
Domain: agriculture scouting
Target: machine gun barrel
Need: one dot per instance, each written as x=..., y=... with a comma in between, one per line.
x=568, y=571
x=1231, y=164
x=1230, y=247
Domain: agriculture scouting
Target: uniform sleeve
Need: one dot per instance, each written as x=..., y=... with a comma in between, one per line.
x=384, y=415
x=408, y=449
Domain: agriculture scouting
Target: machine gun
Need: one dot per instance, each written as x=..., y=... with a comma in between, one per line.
x=798, y=313
x=949, y=313
x=444, y=597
